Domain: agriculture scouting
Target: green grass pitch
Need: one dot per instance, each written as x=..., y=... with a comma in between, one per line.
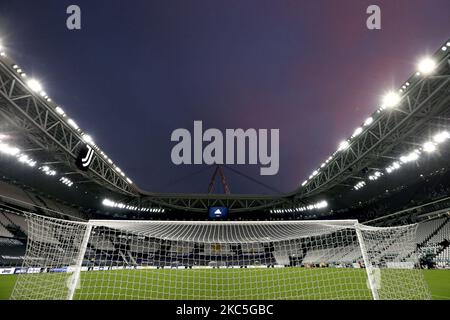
x=246, y=284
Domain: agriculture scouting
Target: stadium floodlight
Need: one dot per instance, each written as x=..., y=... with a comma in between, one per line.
x=25, y=159
x=48, y=171
x=9, y=150
x=34, y=85
x=359, y=185
x=60, y=111
x=73, y=124
x=390, y=100
x=368, y=121
x=343, y=145
x=112, y=204
x=357, y=132
x=426, y=66
x=129, y=180
x=341, y=245
x=395, y=166
x=429, y=147
x=441, y=136
x=66, y=181
x=108, y=203
x=88, y=139
x=410, y=157
x=304, y=183
x=322, y=204
x=375, y=176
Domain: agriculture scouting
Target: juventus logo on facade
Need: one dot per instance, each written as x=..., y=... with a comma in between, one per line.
x=85, y=157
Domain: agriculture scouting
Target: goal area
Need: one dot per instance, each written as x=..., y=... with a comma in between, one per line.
x=218, y=260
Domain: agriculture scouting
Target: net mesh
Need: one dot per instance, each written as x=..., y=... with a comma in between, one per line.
x=219, y=260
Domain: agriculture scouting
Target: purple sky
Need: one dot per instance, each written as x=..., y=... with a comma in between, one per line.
x=140, y=69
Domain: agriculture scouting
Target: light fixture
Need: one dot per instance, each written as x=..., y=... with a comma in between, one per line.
x=88, y=139
x=410, y=157
x=34, y=85
x=368, y=121
x=66, y=181
x=73, y=124
x=441, y=137
x=429, y=147
x=343, y=145
x=357, y=132
x=48, y=171
x=25, y=159
x=359, y=185
x=9, y=150
x=391, y=99
x=426, y=66
x=60, y=111
x=112, y=204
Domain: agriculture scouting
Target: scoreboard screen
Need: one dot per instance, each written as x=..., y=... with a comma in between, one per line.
x=218, y=212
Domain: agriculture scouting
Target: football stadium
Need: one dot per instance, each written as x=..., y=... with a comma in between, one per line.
x=371, y=222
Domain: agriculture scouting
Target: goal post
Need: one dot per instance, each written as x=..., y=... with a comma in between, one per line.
x=367, y=263
x=209, y=260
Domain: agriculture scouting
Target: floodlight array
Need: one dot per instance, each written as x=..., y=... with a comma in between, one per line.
x=36, y=86
x=316, y=206
x=48, y=171
x=391, y=99
x=11, y=150
x=66, y=181
x=409, y=157
x=359, y=185
x=112, y=204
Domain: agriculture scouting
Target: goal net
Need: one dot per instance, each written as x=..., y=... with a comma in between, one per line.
x=104, y=259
